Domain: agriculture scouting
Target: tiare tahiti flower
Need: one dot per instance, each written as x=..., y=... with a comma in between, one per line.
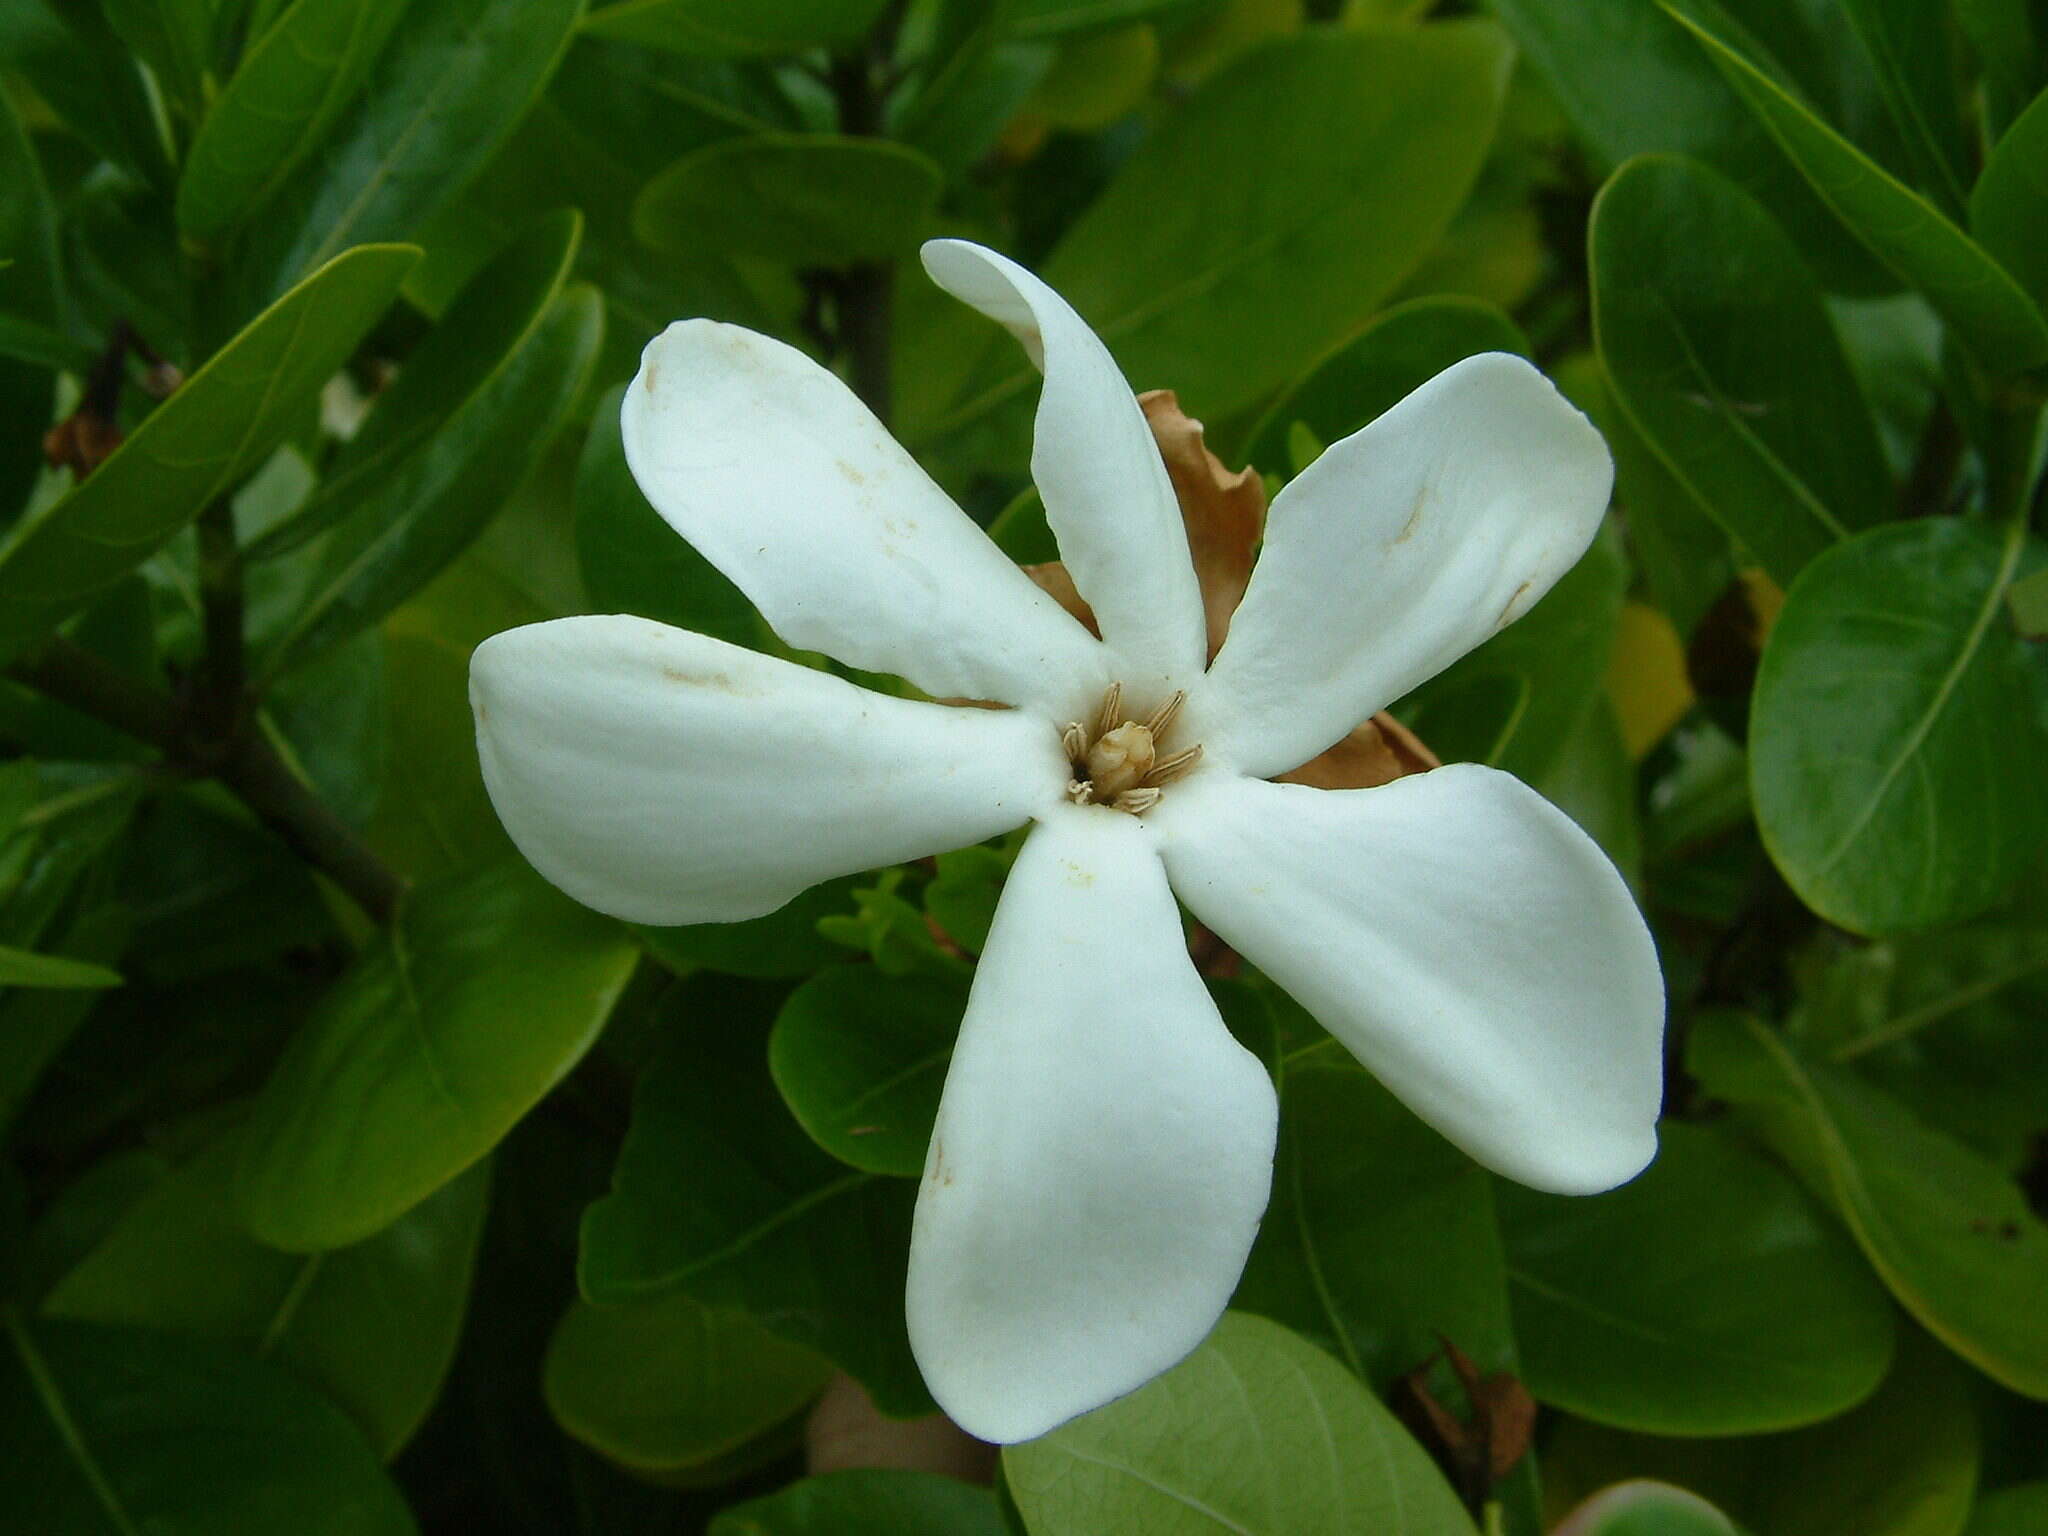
x=1104, y=1147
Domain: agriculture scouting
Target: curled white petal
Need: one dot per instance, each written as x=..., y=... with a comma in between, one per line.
x=1103, y=1150
x=665, y=777
x=1398, y=550
x=781, y=478
x=1460, y=936
x=1107, y=496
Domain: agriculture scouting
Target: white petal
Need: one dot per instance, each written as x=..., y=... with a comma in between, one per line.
x=1098, y=470
x=1398, y=550
x=1461, y=937
x=666, y=777
x=1103, y=1150
x=781, y=478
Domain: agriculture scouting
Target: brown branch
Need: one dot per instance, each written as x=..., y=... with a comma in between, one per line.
x=245, y=762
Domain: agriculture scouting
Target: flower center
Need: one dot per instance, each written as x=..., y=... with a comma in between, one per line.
x=1119, y=763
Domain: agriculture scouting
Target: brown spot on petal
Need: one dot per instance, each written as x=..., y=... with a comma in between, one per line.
x=1224, y=513
x=1378, y=752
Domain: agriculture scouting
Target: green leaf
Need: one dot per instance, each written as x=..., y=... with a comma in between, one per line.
x=2028, y=599
x=24, y=968
x=1897, y=728
x=2002, y=35
x=868, y=1502
x=1705, y=1298
x=1223, y=295
x=1992, y=317
x=1632, y=82
x=1949, y=1234
x=444, y=495
x=469, y=349
x=1404, y=348
x=118, y=1431
x=1903, y=1464
x=664, y=1386
x=2015, y=1511
x=801, y=199
x=1909, y=51
x=784, y=943
x=438, y=103
x=1645, y=1508
x=2009, y=205
x=285, y=95
x=632, y=561
x=1310, y=1453
x=860, y=1059
x=81, y=68
x=28, y=235
x=220, y=425
x=734, y=28
x=720, y=1194
x=1719, y=351
x=482, y=997
x=374, y=1325
x=1380, y=1236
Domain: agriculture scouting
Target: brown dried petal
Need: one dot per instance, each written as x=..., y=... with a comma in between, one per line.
x=1053, y=580
x=81, y=442
x=846, y=1430
x=1225, y=513
x=1378, y=752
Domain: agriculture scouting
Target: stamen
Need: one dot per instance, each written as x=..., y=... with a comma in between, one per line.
x=1110, y=716
x=1177, y=765
x=1137, y=801
x=1080, y=791
x=1075, y=740
x=1163, y=716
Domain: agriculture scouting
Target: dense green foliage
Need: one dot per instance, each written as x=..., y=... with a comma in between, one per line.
x=355, y=1181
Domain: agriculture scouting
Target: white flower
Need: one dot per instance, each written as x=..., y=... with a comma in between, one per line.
x=1104, y=1147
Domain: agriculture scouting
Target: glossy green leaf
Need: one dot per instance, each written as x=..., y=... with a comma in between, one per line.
x=2028, y=599
x=633, y=562
x=374, y=1325
x=25, y=968
x=2015, y=1511
x=215, y=430
x=2009, y=205
x=1379, y=1240
x=1055, y=18
x=1898, y=725
x=1633, y=82
x=2004, y=37
x=860, y=1059
x=721, y=1195
x=438, y=102
x=285, y=95
x=734, y=27
x=1915, y=67
x=1903, y=1464
x=475, y=341
x=1593, y=780
x=435, y=817
x=31, y=291
x=1645, y=1508
x=1401, y=350
x=1718, y=349
x=801, y=199
x=868, y=1502
x=81, y=68
x=1992, y=316
x=414, y=1065
x=667, y=1385
x=119, y=1431
x=1704, y=1298
x=174, y=38
x=1949, y=1234
x=444, y=495
x=1224, y=295
x=1256, y=1432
